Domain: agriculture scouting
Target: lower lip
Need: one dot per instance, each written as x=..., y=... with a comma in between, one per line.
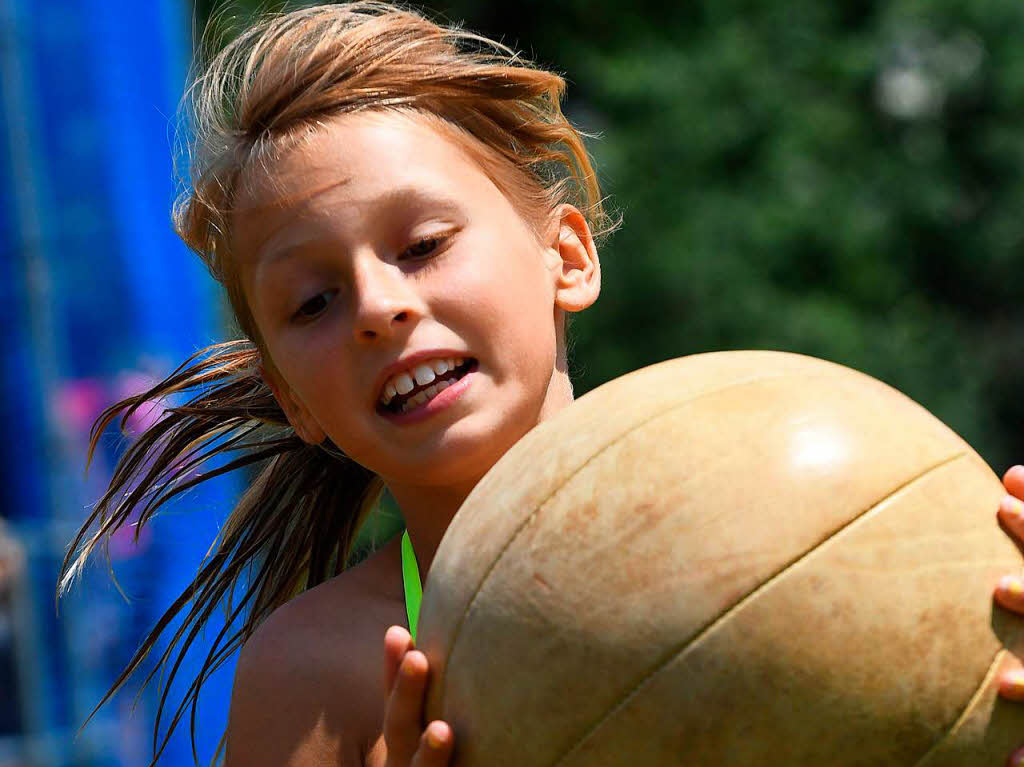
x=438, y=403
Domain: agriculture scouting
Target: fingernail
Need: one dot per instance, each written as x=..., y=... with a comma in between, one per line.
x=1012, y=505
x=1013, y=683
x=434, y=738
x=1011, y=586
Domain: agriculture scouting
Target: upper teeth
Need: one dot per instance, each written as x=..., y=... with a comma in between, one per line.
x=423, y=373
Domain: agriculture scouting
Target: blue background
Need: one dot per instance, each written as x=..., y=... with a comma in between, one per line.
x=97, y=297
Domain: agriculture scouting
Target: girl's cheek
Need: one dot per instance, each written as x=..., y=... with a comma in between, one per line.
x=312, y=339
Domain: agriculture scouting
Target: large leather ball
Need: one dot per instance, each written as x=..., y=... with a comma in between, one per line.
x=727, y=560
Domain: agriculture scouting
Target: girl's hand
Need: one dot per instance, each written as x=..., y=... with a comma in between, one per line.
x=408, y=743
x=1010, y=591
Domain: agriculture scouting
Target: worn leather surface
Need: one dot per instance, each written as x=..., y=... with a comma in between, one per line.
x=725, y=560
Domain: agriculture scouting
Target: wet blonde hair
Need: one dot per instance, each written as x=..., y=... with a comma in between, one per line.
x=296, y=523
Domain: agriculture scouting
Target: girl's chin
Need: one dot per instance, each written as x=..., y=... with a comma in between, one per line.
x=454, y=459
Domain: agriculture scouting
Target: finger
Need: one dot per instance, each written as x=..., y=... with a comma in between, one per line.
x=1013, y=481
x=397, y=642
x=1011, y=680
x=1010, y=593
x=403, y=717
x=1011, y=519
x=435, y=749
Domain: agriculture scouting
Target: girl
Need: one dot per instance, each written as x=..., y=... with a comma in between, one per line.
x=403, y=221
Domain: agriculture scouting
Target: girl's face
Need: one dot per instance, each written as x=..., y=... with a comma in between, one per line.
x=380, y=238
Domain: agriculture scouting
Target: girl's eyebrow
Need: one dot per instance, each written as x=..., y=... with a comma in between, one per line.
x=415, y=195
x=398, y=197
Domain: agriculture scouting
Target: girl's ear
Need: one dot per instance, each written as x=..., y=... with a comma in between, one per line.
x=572, y=260
x=299, y=417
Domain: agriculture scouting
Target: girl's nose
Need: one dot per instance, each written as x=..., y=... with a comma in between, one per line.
x=384, y=299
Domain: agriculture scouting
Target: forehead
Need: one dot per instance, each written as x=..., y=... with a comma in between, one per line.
x=354, y=164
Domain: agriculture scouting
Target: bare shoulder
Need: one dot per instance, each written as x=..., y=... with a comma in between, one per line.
x=309, y=686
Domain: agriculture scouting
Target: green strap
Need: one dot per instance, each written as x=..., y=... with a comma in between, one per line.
x=411, y=578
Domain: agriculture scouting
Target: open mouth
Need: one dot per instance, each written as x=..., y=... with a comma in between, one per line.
x=403, y=403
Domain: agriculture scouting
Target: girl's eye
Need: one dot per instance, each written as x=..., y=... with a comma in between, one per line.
x=418, y=250
x=313, y=307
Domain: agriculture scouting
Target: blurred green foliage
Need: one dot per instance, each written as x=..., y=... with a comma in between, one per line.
x=839, y=179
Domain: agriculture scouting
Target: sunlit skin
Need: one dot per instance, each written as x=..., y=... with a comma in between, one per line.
x=373, y=291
